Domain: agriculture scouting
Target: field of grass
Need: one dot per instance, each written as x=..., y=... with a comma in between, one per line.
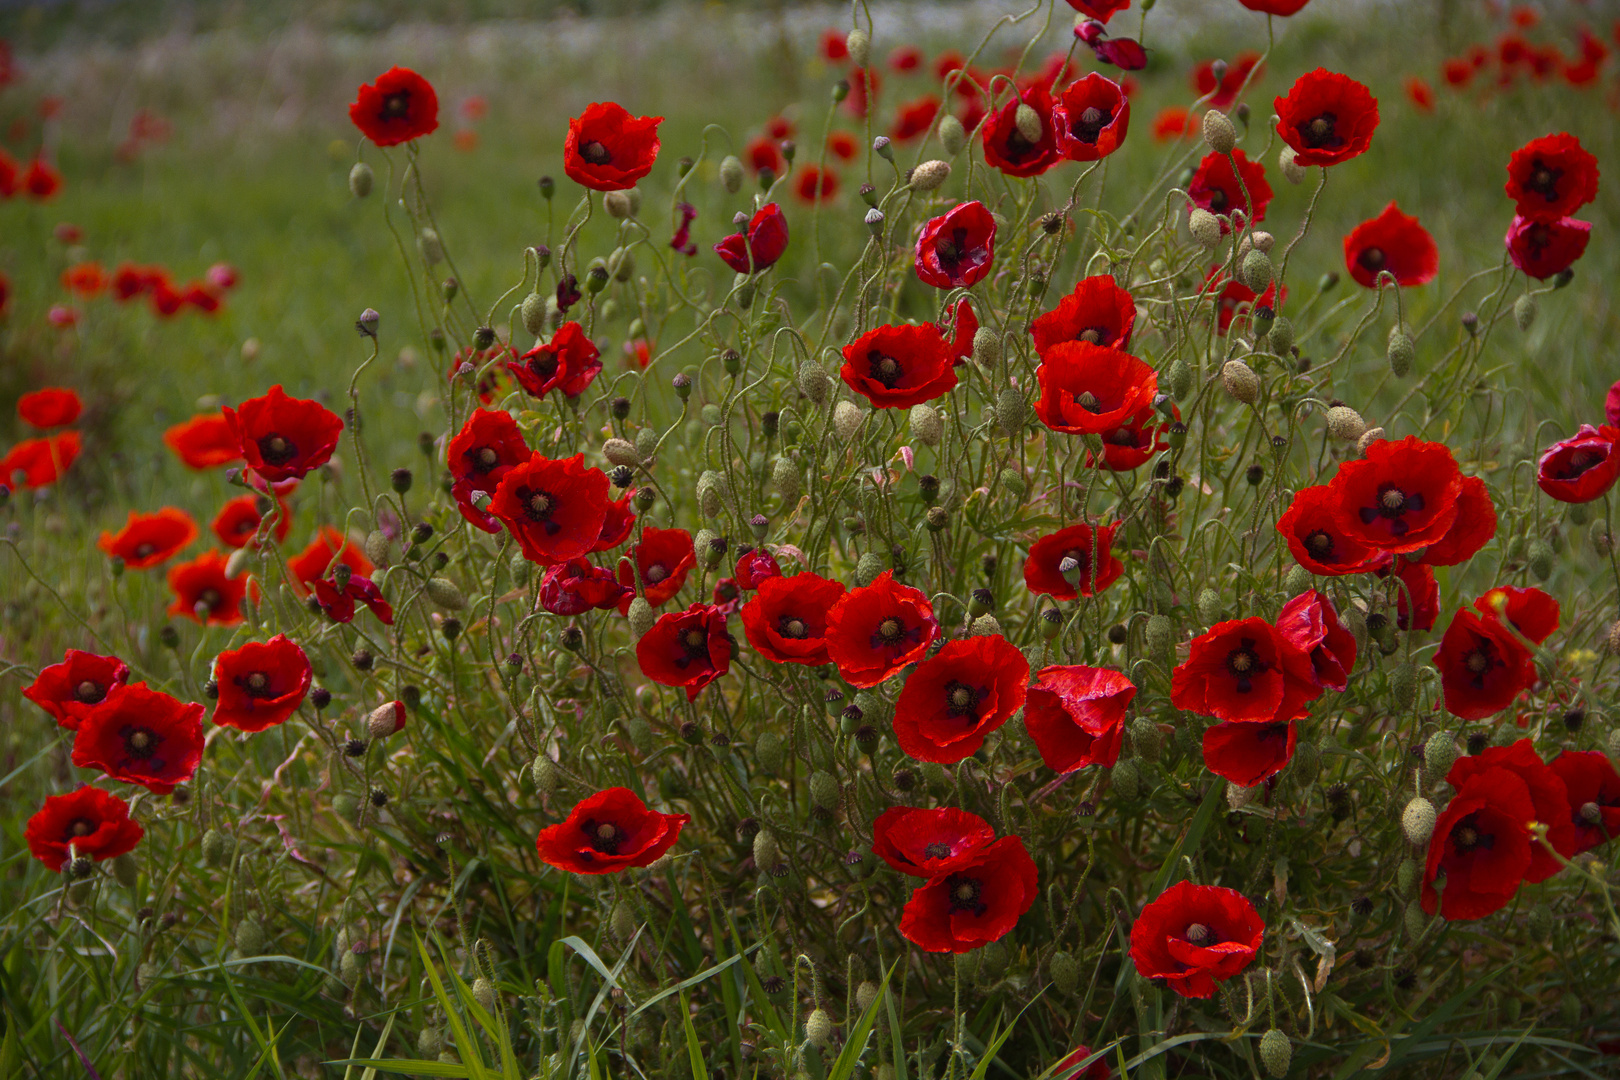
x=156, y=978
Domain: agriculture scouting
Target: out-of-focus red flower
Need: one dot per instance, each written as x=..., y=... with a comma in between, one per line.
x=1223, y=92
x=764, y=153
x=1076, y=715
x=833, y=46
x=905, y=58
x=764, y=243
x=913, y=118
x=979, y=900
x=1075, y=561
x=955, y=250
x=85, y=279
x=1326, y=117
x=1419, y=93
x=70, y=689
x=687, y=649
x=465, y=140
x=609, y=832
x=896, y=367
x=54, y=406
x=39, y=462
x=260, y=684
x=1195, y=935
x=1457, y=72
x=88, y=823
x=956, y=697
x=864, y=84
x=607, y=149
x=1395, y=242
x=842, y=145
x=1069, y=1068
x=41, y=181
x=812, y=184
x=1101, y=10
x=1171, y=124
x=238, y=520
x=61, y=316
x=203, y=442
x=149, y=540
x=1275, y=7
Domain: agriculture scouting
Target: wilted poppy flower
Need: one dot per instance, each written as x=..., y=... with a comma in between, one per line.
x=41, y=181
x=1193, y=935
x=607, y=149
x=1401, y=496
x=338, y=604
x=1028, y=148
x=1312, y=625
x=488, y=446
x=1317, y=539
x=874, y=631
x=1481, y=846
x=1529, y=611
x=1248, y=753
x=689, y=649
x=767, y=238
x=1326, y=117
x=954, y=250
x=261, y=683
x=863, y=87
x=39, y=462
x=1098, y=311
x=925, y=843
x=914, y=118
x=1091, y=118
x=1593, y=791
x=568, y=362
x=1581, y=468
x=1223, y=92
x=1072, y=562
x=1216, y=187
x=1417, y=600
x=141, y=736
x=1245, y=670
x=978, y=900
x=283, y=438
x=786, y=621
x=1547, y=794
x=238, y=520
x=398, y=107
x=812, y=184
x=577, y=586
x=327, y=549
x=1551, y=177
x=554, y=509
x=1394, y=242
x=609, y=832
x=70, y=689
x=149, y=539
x=663, y=558
x=896, y=367
x=1473, y=529
x=754, y=567
x=1483, y=667
x=1126, y=53
x=54, y=406
x=1076, y=715
x=88, y=823
x=204, y=441
x=956, y=697
x=202, y=583
x=1069, y=1068
x=1544, y=248
x=1091, y=389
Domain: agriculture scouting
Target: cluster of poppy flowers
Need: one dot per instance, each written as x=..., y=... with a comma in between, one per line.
x=38, y=180
x=1514, y=57
x=167, y=297
x=40, y=462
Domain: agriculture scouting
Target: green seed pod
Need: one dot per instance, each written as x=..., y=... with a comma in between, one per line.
x=1417, y=821
x=1439, y=753
x=1540, y=922
x=1065, y=972
x=1403, y=684
x=377, y=547
x=1281, y=336
x=867, y=569
x=865, y=995
x=216, y=848
x=640, y=732
x=1307, y=763
x=1345, y=424
x=646, y=443
x=993, y=961
x=930, y=175
x=785, y=479
x=350, y=968
x=1209, y=606
x=859, y=45
x=766, y=853
x=769, y=751
x=824, y=790
x=430, y=1042
x=1219, y=134
x=1416, y=921
x=1204, y=227
x=952, y=135
x=443, y=591
x=1540, y=557
x=1256, y=270
x=1126, y=776
x=1524, y=311
x=1011, y=411
x=1406, y=876
x=1147, y=737
x=250, y=937
x=984, y=626
x=126, y=870
x=1180, y=378
x=731, y=173
x=483, y=992
x=346, y=806
x=1276, y=1052
x=1158, y=636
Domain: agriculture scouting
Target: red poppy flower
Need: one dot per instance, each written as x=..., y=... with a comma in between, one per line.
x=863, y=87
x=607, y=149
x=166, y=300
x=754, y=568
x=1544, y=248
x=978, y=900
x=766, y=240
x=843, y=146
x=956, y=697
x=339, y=606
x=1069, y=1068
x=1530, y=611
x=1457, y=72
x=963, y=329
x=609, y=832
x=1234, y=294
x=88, y=823
x=555, y=509
x=202, y=582
x=222, y=276
x=1326, y=117
x=1481, y=846
x=1076, y=715
x=1090, y=118
x=896, y=367
x=1193, y=935
x=1473, y=529
x=568, y=362
x=260, y=684
x=1223, y=92
x=914, y=118
x=663, y=558
x=1101, y=10
x=833, y=46
x=1483, y=667
x=238, y=521
x=904, y=58
x=786, y=621
x=1417, y=602
x=141, y=736
x=283, y=438
x=1275, y=7
x=204, y=441
x=1130, y=445
x=1098, y=311
x=1395, y=242
x=577, y=586
x=954, y=250
x=1091, y=551
x=54, y=406
x=1593, y=790
x=1581, y=468
x=764, y=153
x=5, y=290
x=8, y=175
x=1547, y=794
x=927, y=843
x=398, y=107
x=201, y=296
x=1311, y=624
x=1246, y=753
x=812, y=184
x=1245, y=670
x=1401, y=496
x=41, y=462
x=1171, y=123
x=618, y=524
x=41, y=181
x=1317, y=539
x=69, y=690
x=873, y=632
x=328, y=548
x=1419, y=93
x=1125, y=53
x=147, y=540
x=1551, y=177
x=1091, y=389
x=488, y=446
x=688, y=649
x=1006, y=147
x=467, y=362
x=1220, y=189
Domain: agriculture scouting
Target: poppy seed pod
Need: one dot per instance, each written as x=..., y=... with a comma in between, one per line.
x=823, y=790
x=818, y=1029
x=1276, y=1052
x=1417, y=820
x=1256, y=270
x=1281, y=336
x=1345, y=423
x=623, y=921
x=360, y=180
x=731, y=174
x=1400, y=353
x=250, y=937
x=927, y=425
x=443, y=591
x=1240, y=381
x=952, y=135
x=216, y=847
x=1205, y=227
x=1416, y=921
x=641, y=617
x=930, y=175
x=847, y=420
x=874, y=221
x=621, y=452
x=859, y=44
x=1209, y=606
x=1524, y=311
x=1065, y=972
x=1219, y=134
x=1259, y=239
x=1291, y=169
x=813, y=381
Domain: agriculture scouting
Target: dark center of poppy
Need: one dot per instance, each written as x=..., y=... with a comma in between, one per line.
x=1320, y=544
x=81, y=827
x=538, y=506
x=884, y=369
x=595, y=153
x=964, y=893
x=141, y=742
x=891, y=630
x=695, y=642
x=1088, y=401
x=1091, y=334
x=1591, y=813
x=951, y=250
x=1372, y=259
x=1120, y=436
x=1319, y=132
x=277, y=449
x=1466, y=837
x=89, y=692
x=937, y=850
x=1581, y=461
x=1091, y=123
x=486, y=459
x=604, y=836
x=1544, y=180
x=1196, y=934
x=1219, y=200
x=256, y=684
x=656, y=573
x=1243, y=664
x=1393, y=504
x=545, y=366
x=396, y=105
x=961, y=699
x=144, y=550
x=790, y=627
x=1478, y=661
x=209, y=598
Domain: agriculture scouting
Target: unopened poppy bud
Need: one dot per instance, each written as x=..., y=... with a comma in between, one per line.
x=847, y=420
x=1540, y=559
x=874, y=221
x=367, y=323
x=1064, y=971
x=1345, y=423
x=483, y=992
x=1028, y=122
x=859, y=44
x=617, y=204
x=1209, y=606
x=867, y=568
x=1012, y=480
x=984, y=626
x=1125, y=777
x=710, y=501
x=1219, y=134
x=881, y=147
x=1281, y=337
x=818, y=1029
x=986, y=347
x=731, y=173
x=1417, y=821
x=169, y=637
x=785, y=479
x=1439, y=754
x=1204, y=227
x=250, y=937
x=216, y=848
x=927, y=425
x=1012, y=410
x=1256, y=270
x=1157, y=635
x=766, y=854
x=548, y=187
x=1400, y=353
x=444, y=592
x=952, y=135
x=1403, y=684
x=1368, y=437
x=1240, y=381
x=824, y=790
x=1276, y=1052
x=386, y=720
x=938, y=519
x=543, y=771
x=641, y=617
x=621, y=452
x=1293, y=170
x=360, y=178
x=930, y=175
x=1524, y=311
x=431, y=247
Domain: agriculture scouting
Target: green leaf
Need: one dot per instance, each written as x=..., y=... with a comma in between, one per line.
x=408, y=1066
x=844, y=1067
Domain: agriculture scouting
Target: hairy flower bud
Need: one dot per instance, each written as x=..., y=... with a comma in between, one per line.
x=818, y=1029
x=927, y=425
x=216, y=848
x=641, y=617
x=952, y=135
x=731, y=173
x=1417, y=820
x=859, y=44
x=1205, y=227
x=1524, y=311
x=986, y=347
x=1293, y=170
x=766, y=854
x=1345, y=423
x=1219, y=134
x=360, y=178
x=621, y=452
x=847, y=419
x=445, y=593
x=1065, y=972
x=543, y=771
x=385, y=720
x=1281, y=336
x=1125, y=776
x=1180, y=379
x=867, y=568
x=1256, y=270
x=1439, y=754
x=1209, y=606
x=709, y=497
x=431, y=247
x=250, y=936
x=1158, y=635
x=1276, y=1052
x=813, y=381
x=1240, y=381
x=1400, y=353
x=823, y=790
x=930, y=175
x=1028, y=122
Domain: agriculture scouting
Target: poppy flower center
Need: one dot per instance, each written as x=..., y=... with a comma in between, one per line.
x=544, y=366
x=396, y=105
x=788, y=626
x=256, y=684
x=1393, y=504
x=1197, y=934
x=141, y=742
x=487, y=458
x=964, y=893
x=537, y=505
x=1120, y=436
x=89, y=692
x=277, y=449
x=695, y=641
x=595, y=153
x=605, y=836
x=1467, y=838
x=1544, y=181
x=209, y=598
x=656, y=573
x=1479, y=660
x=1092, y=335
x=1219, y=200
x=81, y=827
x=1243, y=664
x=1581, y=461
x=951, y=250
x=1372, y=259
x=1591, y=813
x=963, y=699
x=1092, y=121
x=885, y=368
x=1319, y=544
x=144, y=550
x=1319, y=132
x=1088, y=401
x=937, y=850
x=890, y=630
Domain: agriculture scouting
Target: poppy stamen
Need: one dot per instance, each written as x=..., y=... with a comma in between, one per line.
x=695, y=642
x=144, y=550
x=1091, y=334
x=890, y=630
x=141, y=743
x=1591, y=813
x=89, y=692
x=81, y=827
x=595, y=153
x=277, y=449
x=1319, y=132
x=487, y=458
x=1320, y=544
x=790, y=627
x=1580, y=461
x=1373, y=259
x=538, y=506
x=965, y=895
x=656, y=573
x=962, y=699
x=1196, y=934
x=885, y=369
x=605, y=837
x=937, y=850
x=1544, y=181
x=1091, y=123
x=1088, y=401
x=1219, y=201
x=209, y=598
x=255, y=685
x=396, y=105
